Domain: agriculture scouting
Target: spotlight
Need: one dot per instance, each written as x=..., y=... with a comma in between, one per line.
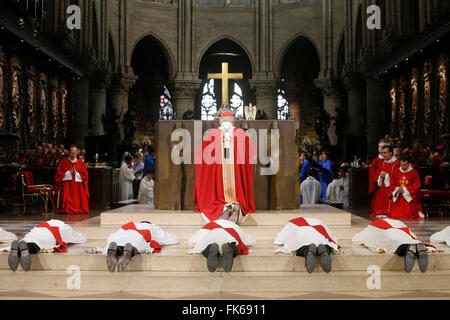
x=396, y=66
x=406, y=59
x=437, y=40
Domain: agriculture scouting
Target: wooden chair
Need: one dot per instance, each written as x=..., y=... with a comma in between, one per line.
x=33, y=191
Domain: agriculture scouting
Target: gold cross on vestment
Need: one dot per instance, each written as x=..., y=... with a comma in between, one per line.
x=403, y=181
x=225, y=76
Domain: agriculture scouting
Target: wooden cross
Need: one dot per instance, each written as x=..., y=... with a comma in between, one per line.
x=225, y=76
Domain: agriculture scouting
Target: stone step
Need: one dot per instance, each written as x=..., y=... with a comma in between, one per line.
x=195, y=282
x=329, y=215
x=260, y=258
x=184, y=232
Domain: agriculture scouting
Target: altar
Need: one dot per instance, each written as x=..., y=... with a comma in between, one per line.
x=174, y=185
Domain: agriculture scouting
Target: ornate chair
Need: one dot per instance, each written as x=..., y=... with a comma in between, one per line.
x=33, y=191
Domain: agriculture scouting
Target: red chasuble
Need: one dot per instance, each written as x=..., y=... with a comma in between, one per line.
x=382, y=201
x=406, y=208
x=209, y=188
x=73, y=196
x=374, y=172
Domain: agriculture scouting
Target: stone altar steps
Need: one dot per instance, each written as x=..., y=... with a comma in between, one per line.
x=261, y=258
x=329, y=215
x=199, y=282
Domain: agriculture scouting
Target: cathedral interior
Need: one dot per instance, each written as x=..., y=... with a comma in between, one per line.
x=122, y=62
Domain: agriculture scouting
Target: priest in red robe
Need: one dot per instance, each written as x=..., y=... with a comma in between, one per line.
x=374, y=172
x=388, y=168
x=224, y=173
x=71, y=182
x=406, y=192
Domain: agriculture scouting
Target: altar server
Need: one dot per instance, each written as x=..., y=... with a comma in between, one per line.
x=308, y=237
x=221, y=237
x=393, y=236
x=53, y=235
x=134, y=238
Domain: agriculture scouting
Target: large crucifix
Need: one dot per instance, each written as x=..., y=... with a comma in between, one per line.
x=225, y=76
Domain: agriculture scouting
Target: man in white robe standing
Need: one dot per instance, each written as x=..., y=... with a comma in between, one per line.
x=53, y=235
x=126, y=178
x=441, y=236
x=134, y=238
x=310, y=189
x=393, y=236
x=334, y=190
x=308, y=237
x=146, y=189
x=221, y=237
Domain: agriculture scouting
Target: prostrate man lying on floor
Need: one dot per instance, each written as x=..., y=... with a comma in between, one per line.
x=441, y=236
x=6, y=236
x=134, y=238
x=393, y=236
x=53, y=235
x=308, y=238
x=221, y=237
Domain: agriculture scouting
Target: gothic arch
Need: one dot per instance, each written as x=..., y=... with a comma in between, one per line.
x=285, y=48
x=211, y=43
x=164, y=47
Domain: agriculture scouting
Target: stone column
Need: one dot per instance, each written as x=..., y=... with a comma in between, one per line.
x=97, y=101
x=354, y=85
x=183, y=94
x=80, y=92
x=120, y=87
x=375, y=113
x=266, y=96
x=294, y=103
x=331, y=103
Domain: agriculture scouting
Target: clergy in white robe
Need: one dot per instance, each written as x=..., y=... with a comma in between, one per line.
x=310, y=189
x=334, y=192
x=126, y=178
x=394, y=237
x=6, y=236
x=53, y=235
x=221, y=237
x=134, y=238
x=308, y=237
x=441, y=236
x=146, y=189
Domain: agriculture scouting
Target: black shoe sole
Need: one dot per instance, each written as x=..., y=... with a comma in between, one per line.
x=409, y=260
x=25, y=259
x=13, y=258
x=310, y=262
x=325, y=259
x=111, y=258
x=212, y=261
x=227, y=258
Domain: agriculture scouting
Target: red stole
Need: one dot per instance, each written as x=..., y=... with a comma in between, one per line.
x=55, y=232
x=145, y=233
x=301, y=222
x=242, y=248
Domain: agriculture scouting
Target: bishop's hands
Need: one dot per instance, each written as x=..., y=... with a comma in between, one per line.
x=73, y=171
x=382, y=174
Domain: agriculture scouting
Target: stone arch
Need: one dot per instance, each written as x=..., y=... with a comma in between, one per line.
x=164, y=47
x=211, y=43
x=285, y=48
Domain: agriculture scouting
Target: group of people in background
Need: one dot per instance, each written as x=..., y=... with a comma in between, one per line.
x=47, y=155
x=318, y=181
x=137, y=170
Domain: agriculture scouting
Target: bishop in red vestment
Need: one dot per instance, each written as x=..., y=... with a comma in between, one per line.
x=224, y=173
x=71, y=182
x=406, y=192
x=389, y=167
x=374, y=172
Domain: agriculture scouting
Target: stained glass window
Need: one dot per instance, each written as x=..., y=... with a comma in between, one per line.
x=283, y=105
x=165, y=105
x=209, y=102
x=237, y=102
